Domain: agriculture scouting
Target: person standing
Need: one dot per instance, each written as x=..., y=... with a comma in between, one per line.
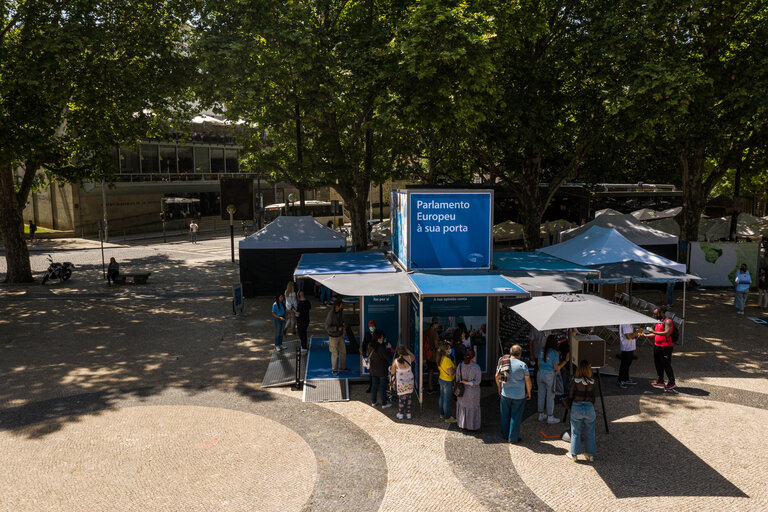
x=302, y=319
x=468, y=404
x=401, y=369
x=549, y=364
x=762, y=289
x=278, y=313
x=325, y=295
x=113, y=271
x=371, y=334
x=662, y=348
x=193, y=227
x=447, y=372
x=513, y=392
x=334, y=323
x=628, y=346
x=290, y=308
x=742, y=282
x=431, y=339
x=582, y=396
x=379, y=358
x=32, y=231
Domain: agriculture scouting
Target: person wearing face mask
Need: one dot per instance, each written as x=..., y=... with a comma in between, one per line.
x=662, y=348
x=370, y=335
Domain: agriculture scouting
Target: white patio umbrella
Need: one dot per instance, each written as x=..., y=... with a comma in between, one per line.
x=577, y=310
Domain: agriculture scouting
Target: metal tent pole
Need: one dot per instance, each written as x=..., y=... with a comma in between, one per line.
x=421, y=353
x=682, y=330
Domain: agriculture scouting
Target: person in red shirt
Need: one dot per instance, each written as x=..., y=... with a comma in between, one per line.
x=662, y=348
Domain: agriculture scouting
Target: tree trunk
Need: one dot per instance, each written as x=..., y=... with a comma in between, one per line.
x=12, y=229
x=531, y=213
x=355, y=199
x=696, y=189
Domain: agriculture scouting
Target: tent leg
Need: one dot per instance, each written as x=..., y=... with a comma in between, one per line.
x=602, y=401
x=682, y=330
x=421, y=354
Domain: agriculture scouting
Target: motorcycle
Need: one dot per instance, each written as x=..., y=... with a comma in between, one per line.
x=56, y=270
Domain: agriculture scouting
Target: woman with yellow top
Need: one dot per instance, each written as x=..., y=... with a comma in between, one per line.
x=447, y=372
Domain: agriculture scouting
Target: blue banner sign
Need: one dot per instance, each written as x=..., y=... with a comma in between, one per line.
x=450, y=230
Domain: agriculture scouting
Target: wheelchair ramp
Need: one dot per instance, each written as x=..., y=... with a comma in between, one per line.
x=282, y=366
x=326, y=390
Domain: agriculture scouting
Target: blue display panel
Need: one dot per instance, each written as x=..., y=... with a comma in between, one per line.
x=415, y=332
x=384, y=310
x=399, y=225
x=449, y=230
x=453, y=311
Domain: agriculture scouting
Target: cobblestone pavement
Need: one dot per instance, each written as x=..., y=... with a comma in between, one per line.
x=147, y=397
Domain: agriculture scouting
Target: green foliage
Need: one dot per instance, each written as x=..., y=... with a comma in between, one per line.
x=77, y=77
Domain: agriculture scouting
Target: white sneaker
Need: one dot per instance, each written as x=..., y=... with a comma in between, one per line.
x=408, y=416
x=552, y=420
x=399, y=416
x=386, y=406
x=542, y=416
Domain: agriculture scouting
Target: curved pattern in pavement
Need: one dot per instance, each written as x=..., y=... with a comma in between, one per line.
x=345, y=467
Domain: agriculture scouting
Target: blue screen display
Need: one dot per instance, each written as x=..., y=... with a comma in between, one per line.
x=450, y=230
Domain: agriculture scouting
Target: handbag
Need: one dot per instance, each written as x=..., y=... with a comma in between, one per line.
x=559, y=384
x=458, y=388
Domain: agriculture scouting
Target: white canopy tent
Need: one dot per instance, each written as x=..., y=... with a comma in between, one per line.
x=294, y=232
x=577, y=310
x=605, y=245
x=628, y=226
x=365, y=285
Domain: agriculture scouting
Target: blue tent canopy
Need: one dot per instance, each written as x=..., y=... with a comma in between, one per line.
x=528, y=261
x=465, y=284
x=343, y=263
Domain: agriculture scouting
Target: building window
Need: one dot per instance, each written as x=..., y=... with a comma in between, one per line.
x=230, y=157
x=129, y=161
x=202, y=160
x=149, y=163
x=186, y=160
x=168, y=159
x=217, y=160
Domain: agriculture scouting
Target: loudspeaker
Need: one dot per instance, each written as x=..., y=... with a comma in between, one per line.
x=591, y=348
x=239, y=192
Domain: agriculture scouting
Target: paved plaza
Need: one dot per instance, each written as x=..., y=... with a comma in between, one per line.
x=148, y=397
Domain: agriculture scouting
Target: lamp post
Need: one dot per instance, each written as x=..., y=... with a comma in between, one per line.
x=231, y=209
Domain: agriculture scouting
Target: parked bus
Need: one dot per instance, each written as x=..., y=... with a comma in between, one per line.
x=322, y=211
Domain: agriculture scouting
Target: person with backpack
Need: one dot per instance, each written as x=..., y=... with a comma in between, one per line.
x=663, y=343
x=401, y=369
x=514, y=383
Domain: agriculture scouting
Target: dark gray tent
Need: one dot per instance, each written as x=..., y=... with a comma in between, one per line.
x=269, y=256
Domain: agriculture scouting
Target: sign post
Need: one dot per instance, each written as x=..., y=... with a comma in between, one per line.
x=237, y=298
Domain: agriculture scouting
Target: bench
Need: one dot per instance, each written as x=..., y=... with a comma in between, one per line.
x=136, y=277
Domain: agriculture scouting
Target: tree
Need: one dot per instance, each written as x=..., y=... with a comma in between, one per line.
x=312, y=76
x=77, y=78
x=443, y=81
x=555, y=82
x=699, y=88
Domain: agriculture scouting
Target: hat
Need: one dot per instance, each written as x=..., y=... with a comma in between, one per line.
x=371, y=322
x=468, y=355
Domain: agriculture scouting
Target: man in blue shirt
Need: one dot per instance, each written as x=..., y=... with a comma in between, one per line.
x=513, y=392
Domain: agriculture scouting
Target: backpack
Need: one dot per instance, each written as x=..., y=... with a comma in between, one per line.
x=502, y=369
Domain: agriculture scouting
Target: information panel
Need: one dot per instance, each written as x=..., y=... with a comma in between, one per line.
x=385, y=311
x=450, y=230
x=470, y=313
x=399, y=220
